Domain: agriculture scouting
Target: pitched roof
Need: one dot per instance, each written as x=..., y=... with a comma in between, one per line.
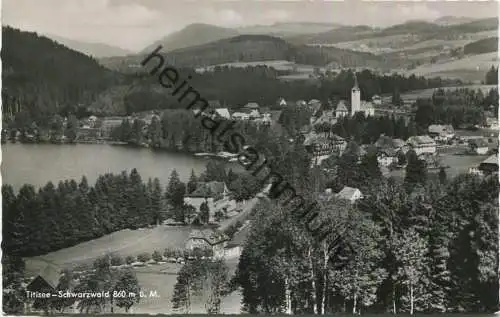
x=491, y=160
x=209, y=189
x=211, y=236
x=50, y=274
x=341, y=106
x=223, y=112
x=366, y=104
x=439, y=128
x=421, y=139
x=315, y=138
x=252, y=105
x=347, y=192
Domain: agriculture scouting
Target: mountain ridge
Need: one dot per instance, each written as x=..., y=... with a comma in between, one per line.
x=93, y=49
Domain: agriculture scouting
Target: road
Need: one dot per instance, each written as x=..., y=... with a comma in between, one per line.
x=242, y=216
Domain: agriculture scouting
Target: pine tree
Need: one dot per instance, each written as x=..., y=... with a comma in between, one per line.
x=175, y=190
x=442, y=175
x=192, y=183
x=416, y=171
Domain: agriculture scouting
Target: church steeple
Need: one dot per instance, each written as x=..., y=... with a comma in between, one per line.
x=355, y=81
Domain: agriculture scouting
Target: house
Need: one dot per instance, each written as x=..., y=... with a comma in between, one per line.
x=327, y=117
x=208, y=239
x=377, y=100
x=341, y=110
x=214, y=104
x=46, y=281
x=223, y=113
x=241, y=116
x=489, y=166
x=301, y=103
x=254, y=114
x=349, y=193
x=87, y=133
x=282, y=102
x=213, y=193
x=264, y=120
x=387, y=157
x=109, y=124
x=251, y=105
x=478, y=146
x=422, y=144
x=320, y=144
x=440, y=132
x=314, y=105
x=386, y=142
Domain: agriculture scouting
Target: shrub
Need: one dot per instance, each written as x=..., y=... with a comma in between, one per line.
x=129, y=259
x=144, y=257
x=117, y=260
x=157, y=256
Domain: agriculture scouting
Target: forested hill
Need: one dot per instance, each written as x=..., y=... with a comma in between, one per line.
x=44, y=75
x=487, y=45
x=251, y=48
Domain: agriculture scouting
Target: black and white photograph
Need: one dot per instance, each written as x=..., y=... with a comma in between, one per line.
x=263, y=157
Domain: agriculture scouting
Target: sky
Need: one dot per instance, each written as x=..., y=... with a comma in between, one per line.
x=135, y=24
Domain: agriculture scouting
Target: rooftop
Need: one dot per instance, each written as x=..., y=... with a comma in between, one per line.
x=211, y=236
x=421, y=139
x=51, y=275
x=347, y=193
x=491, y=160
x=341, y=106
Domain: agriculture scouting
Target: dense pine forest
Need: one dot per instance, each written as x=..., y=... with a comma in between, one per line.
x=424, y=245
x=235, y=87
x=45, y=77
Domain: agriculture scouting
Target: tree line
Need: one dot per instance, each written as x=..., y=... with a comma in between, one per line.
x=53, y=217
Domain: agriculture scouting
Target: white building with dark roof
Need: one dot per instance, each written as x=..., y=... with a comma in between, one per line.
x=349, y=193
x=422, y=144
x=341, y=110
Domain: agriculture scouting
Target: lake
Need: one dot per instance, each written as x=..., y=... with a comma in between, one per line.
x=39, y=163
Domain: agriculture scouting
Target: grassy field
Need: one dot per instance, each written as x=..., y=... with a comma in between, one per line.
x=162, y=278
x=124, y=242
x=458, y=164
x=159, y=278
x=474, y=67
x=427, y=93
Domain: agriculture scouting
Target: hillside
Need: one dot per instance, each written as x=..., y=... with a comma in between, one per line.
x=487, y=45
x=97, y=50
x=192, y=35
x=47, y=76
x=418, y=30
x=249, y=48
x=285, y=29
x=452, y=20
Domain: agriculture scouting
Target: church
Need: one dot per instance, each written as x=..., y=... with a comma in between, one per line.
x=357, y=105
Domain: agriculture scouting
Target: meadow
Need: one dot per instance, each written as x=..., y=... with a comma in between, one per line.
x=427, y=93
x=125, y=242
x=471, y=68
